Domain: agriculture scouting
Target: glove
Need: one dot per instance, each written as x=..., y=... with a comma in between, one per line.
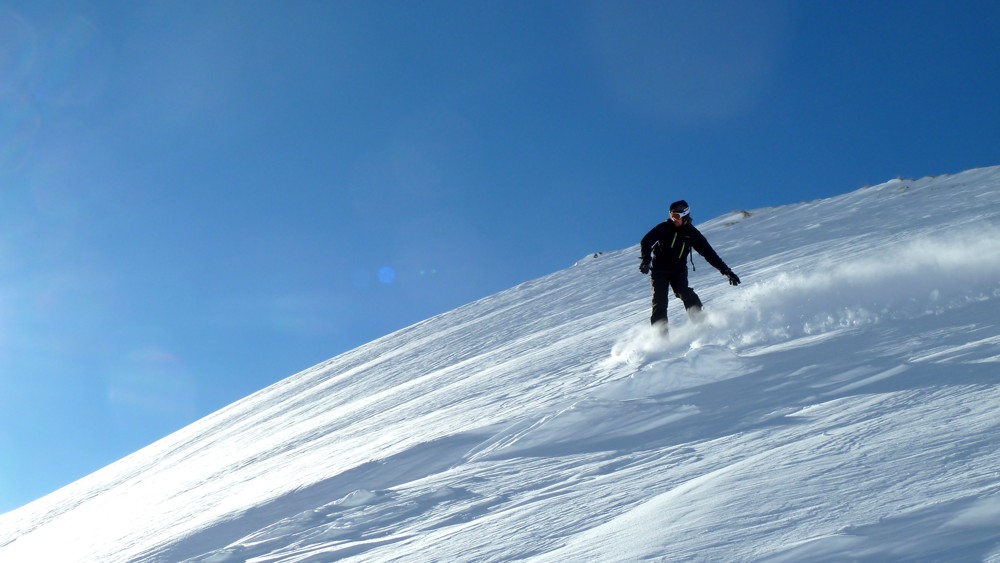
x=644, y=267
x=733, y=278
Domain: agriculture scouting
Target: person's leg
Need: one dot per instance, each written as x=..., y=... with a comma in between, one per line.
x=692, y=303
x=661, y=289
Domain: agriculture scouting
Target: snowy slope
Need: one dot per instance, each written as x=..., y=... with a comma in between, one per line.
x=843, y=403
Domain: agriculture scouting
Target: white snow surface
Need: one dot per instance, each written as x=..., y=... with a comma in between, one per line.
x=842, y=404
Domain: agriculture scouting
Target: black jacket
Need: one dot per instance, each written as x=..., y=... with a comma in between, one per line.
x=670, y=246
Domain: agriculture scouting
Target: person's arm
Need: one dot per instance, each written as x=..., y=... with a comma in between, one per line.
x=646, y=246
x=700, y=243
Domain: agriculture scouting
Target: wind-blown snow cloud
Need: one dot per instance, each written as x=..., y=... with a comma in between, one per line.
x=921, y=276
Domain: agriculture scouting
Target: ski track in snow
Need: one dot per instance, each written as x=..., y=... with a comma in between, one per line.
x=840, y=405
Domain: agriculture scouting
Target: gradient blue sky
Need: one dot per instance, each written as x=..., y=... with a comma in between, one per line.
x=198, y=199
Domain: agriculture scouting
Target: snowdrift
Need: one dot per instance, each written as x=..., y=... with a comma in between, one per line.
x=842, y=404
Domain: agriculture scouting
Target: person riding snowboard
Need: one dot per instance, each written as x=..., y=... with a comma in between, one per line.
x=665, y=249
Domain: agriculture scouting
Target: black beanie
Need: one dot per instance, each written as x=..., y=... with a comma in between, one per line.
x=679, y=206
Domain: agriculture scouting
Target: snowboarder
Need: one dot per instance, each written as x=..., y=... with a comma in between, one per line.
x=665, y=249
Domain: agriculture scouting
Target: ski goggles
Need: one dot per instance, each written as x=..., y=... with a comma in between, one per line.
x=679, y=214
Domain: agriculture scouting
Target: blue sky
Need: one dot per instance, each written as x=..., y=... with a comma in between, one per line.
x=198, y=199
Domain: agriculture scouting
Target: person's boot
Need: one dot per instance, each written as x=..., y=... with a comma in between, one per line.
x=696, y=315
x=661, y=329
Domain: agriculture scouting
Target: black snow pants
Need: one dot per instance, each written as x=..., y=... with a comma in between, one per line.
x=676, y=280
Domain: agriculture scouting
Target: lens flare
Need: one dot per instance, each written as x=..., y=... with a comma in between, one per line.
x=386, y=275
